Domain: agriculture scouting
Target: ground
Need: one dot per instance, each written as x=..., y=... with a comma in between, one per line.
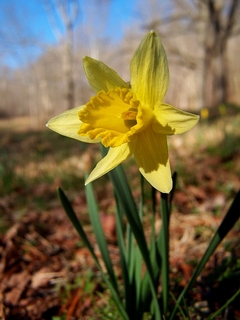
x=47, y=273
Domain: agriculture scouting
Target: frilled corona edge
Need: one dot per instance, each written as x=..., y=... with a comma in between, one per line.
x=130, y=120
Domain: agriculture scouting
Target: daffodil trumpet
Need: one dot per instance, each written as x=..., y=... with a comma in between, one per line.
x=130, y=119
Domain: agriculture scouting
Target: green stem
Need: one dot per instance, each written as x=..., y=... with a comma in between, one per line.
x=213, y=316
x=165, y=251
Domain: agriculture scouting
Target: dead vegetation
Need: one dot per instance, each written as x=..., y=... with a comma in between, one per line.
x=46, y=273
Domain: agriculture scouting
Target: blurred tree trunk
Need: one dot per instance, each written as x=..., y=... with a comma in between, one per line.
x=67, y=11
x=210, y=23
x=219, y=26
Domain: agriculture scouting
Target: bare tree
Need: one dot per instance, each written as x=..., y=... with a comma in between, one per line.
x=214, y=22
x=208, y=23
x=222, y=22
x=63, y=15
x=19, y=46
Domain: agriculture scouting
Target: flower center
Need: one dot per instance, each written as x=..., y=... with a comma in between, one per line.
x=129, y=117
x=114, y=117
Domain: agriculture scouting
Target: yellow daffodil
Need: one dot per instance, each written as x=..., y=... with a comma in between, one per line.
x=130, y=119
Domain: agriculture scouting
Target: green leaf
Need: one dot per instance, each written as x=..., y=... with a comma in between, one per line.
x=164, y=250
x=180, y=309
x=77, y=225
x=215, y=314
x=100, y=237
x=166, y=207
x=124, y=195
x=228, y=222
x=137, y=256
x=125, y=198
x=146, y=296
x=157, y=250
x=123, y=260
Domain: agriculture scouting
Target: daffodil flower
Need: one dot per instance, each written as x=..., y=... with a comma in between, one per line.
x=131, y=119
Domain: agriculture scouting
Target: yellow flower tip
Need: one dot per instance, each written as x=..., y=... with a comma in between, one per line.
x=87, y=59
x=101, y=77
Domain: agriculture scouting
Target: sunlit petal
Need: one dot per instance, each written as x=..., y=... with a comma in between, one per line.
x=149, y=71
x=100, y=76
x=151, y=155
x=113, y=158
x=170, y=120
x=68, y=124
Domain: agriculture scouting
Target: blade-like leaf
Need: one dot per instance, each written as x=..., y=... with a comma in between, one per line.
x=164, y=250
x=124, y=195
x=100, y=237
x=77, y=225
x=215, y=314
x=138, y=261
x=228, y=222
x=156, y=247
x=123, y=260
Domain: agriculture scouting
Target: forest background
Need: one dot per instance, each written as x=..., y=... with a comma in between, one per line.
x=45, y=271
x=42, y=43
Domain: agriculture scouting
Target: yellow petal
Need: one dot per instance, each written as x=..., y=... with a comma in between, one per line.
x=101, y=77
x=149, y=71
x=113, y=158
x=68, y=124
x=170, y=120
x=151, y=155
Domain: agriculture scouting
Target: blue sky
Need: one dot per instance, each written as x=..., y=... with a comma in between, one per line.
x=25, y=27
